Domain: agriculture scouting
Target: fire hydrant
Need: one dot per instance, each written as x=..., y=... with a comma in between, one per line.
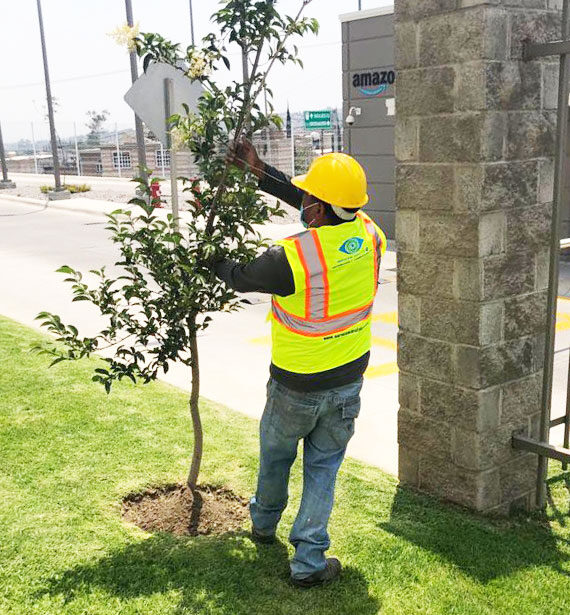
x=155, y=194
x=196, y=191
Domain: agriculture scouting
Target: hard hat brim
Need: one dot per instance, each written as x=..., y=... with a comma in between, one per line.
x=300, y=181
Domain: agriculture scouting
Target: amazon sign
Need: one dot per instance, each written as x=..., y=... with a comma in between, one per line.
x=373, y=83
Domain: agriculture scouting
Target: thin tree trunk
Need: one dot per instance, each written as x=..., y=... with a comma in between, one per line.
x=194, y=408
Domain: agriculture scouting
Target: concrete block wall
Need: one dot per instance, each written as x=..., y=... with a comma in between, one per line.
x=475, y=135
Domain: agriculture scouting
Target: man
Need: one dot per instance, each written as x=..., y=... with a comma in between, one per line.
x=323, y=283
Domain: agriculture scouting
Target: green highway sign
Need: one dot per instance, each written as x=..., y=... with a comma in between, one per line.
x=318, y=120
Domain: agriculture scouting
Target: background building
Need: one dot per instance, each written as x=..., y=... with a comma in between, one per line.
x=368, y=85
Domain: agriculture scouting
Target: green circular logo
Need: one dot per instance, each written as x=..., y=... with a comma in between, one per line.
x=352, y=245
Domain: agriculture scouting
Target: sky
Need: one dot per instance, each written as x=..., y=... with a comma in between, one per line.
x=89, y=70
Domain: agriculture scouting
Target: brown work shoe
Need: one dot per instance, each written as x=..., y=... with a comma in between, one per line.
x=329, y=573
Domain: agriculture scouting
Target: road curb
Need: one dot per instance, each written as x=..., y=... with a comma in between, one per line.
x=270, y=231
x=79, y=206
x=23, y=199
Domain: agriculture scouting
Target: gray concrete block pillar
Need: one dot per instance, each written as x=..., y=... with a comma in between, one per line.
x=475, y=135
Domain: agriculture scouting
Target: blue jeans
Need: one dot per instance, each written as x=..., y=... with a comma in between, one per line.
x=324, y=420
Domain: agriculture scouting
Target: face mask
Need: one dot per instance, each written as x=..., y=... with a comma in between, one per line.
x=301, y=214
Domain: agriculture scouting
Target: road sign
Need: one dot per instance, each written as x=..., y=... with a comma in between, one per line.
x=318, y=120
x=146, y=96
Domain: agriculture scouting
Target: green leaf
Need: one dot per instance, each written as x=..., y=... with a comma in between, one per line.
x=65, y=269
x=146, y=62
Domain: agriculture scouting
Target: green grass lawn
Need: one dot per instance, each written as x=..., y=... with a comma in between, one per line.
x=69, y=453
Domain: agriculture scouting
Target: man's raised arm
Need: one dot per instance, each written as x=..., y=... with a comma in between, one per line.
x=276, y=183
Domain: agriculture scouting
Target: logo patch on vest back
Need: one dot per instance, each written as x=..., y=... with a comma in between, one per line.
x=352, y=245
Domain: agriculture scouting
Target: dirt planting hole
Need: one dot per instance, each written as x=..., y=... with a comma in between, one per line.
x=174, y=509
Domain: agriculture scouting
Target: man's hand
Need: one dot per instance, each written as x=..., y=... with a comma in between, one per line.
x=243, y=154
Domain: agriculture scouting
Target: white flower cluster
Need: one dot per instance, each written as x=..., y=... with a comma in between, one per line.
x=125, y=35
x=178, y=138
x=200, y=65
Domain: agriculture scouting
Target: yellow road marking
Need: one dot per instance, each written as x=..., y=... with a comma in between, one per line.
x=386, y=343
x=390, y=318
x=562, y=321
x=264, y=340
x=379, y=371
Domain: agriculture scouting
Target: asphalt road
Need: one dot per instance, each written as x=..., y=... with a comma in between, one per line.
x=234, y=351
x=110, y=189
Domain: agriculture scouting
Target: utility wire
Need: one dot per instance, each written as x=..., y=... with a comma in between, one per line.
x=17, y=86
x=95, y=75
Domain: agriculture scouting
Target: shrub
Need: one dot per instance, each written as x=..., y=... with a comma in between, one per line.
x=73, y=188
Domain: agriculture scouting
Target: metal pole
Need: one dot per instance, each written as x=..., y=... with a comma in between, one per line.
x=559, y=172
x=76, y=151
x=118, y=150
x=5, y=183
x=292, y=148
x=168, y=111
x=192, y=23
x=567, y=416
x=3, y=158
x=53, y=138
x=139, y=130
x=268, y=135
x=359, y=5
x=34, y=148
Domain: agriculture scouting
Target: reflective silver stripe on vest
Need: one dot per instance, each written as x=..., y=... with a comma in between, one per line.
x=316, y=279
x=306, y=327
x=372, y=231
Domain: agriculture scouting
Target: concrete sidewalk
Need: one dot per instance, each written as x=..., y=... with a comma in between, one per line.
x=234, y=351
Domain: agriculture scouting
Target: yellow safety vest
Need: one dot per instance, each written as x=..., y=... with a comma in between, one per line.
x=326, y=322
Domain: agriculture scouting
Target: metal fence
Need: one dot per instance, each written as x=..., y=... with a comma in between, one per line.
x=114, y=154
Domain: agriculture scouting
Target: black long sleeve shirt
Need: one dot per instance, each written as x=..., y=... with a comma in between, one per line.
x=271, y=273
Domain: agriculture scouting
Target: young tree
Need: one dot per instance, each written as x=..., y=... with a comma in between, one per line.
x=160, y=299
x=95, y=126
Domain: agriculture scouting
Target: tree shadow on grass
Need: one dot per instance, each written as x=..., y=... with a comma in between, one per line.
x=554, y=487
x=226, y=575
x=481, y=547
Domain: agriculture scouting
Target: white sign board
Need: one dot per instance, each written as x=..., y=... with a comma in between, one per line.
x=146, y=96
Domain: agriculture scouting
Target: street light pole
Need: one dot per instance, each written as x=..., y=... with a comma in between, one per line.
x=34, y=148
x=141, y=152
x=5, y=183
x=192, y=23
x=59, y=191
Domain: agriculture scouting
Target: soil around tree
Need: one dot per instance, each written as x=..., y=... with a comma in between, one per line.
x=174, y=509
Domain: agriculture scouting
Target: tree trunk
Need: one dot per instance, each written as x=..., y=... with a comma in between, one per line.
x=195, y=409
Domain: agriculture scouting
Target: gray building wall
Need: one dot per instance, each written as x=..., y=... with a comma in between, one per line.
x=368, y=46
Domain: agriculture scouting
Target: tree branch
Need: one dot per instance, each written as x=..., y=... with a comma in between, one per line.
x=246, y=110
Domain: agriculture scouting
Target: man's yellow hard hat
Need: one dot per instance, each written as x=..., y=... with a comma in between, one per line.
x=337, y=179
